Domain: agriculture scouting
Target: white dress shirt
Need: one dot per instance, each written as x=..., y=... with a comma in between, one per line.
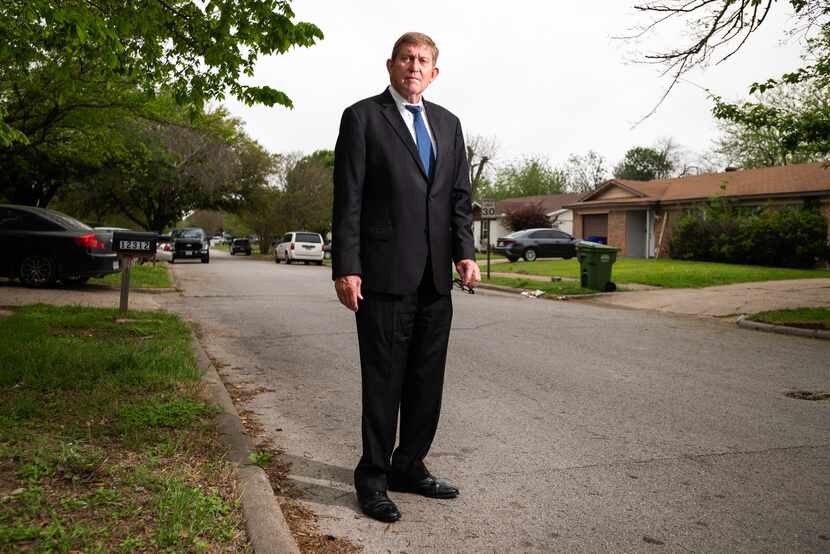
x=409, y=118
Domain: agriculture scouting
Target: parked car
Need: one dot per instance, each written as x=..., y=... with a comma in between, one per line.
x=164, y=251
x=536, y=243
x=189, y=243
x=41, y=246
x=242, y=246
x=299, y=246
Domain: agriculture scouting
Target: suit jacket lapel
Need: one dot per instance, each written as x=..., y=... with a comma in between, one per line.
x=393, y=117
x=437, y=136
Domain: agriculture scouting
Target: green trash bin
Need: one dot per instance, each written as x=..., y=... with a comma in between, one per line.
x=595, y=261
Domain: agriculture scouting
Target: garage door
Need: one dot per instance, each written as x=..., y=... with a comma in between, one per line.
x=595, y=225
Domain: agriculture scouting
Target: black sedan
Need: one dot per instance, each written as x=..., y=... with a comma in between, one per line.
x=40, y=246
x=536, y=243
x=240, y=246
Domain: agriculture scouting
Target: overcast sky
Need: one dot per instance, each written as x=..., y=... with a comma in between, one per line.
x=544, y=78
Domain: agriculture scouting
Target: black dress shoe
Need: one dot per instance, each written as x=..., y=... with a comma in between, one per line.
x=378, y=506
x=427, y=486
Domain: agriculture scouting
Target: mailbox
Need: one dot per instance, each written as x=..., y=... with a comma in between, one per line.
x=135, y=244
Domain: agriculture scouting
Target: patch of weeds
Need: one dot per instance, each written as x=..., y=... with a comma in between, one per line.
x=103, y=435
x=189, y=516
x=261, y=458
x=170, y=413
x=10, y=534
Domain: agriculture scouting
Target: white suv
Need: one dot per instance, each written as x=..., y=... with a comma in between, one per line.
x=299, y=246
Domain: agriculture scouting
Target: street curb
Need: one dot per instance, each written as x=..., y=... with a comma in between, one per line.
x=513, y=290
x=264, y=520
x=742, y=321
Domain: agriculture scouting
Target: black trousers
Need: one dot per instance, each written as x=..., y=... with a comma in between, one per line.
x=403, y=350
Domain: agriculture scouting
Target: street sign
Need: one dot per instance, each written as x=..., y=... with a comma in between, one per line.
x=488, y=209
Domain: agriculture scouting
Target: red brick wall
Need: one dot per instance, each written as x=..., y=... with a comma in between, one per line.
x=616, y=230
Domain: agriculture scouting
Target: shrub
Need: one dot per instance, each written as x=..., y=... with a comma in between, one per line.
x=526, y=217
x=782, y=237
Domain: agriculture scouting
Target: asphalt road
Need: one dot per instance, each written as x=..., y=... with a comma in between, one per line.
x=568, y=427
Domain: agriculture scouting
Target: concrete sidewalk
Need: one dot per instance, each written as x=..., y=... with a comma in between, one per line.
x=13, y=293
x=723, y=301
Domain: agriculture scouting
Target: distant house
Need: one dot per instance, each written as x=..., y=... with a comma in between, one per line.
x=560, y=218
x=638, y=216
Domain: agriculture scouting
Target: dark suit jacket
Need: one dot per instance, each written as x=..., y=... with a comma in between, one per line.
x=389, y=216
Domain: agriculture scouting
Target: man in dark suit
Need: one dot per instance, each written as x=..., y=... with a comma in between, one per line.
x=402, y=215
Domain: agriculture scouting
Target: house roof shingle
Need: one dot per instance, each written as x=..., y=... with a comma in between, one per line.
x=767, y=181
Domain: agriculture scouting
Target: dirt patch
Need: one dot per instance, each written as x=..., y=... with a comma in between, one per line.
x=303, y=525
x=250, y=423
x=240, y=393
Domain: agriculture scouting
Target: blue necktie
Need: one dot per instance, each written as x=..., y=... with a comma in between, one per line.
x=422, y=138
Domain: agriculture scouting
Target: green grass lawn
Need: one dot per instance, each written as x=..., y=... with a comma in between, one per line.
x=105, y=442
x=141, y=276
x=667, y=273
x=550, y=288
x=813, y=318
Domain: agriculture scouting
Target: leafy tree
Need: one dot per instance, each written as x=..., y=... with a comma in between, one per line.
x=746, y=145
x=165, y=171
x=718, y=29
x=644, y=164
x=585, y=173
x=211, y=221
x=529, y=177
x=264, y=212
x=530, y=216
x=70, y=72
x=308, y=193
x=198, y=50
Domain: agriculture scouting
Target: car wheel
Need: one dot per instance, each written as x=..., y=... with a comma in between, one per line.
x=319, y=263
x=512, y=259
x=37, y=271
x=276, y=258
x=287, y=259
x=530, y=255
x=205, y=259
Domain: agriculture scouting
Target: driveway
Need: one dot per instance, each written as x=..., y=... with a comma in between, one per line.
x=726, y=300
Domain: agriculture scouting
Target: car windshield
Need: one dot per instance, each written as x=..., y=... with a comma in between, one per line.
x=517, y=234
x=187, y=233
x=240, y=241
x=309, y=237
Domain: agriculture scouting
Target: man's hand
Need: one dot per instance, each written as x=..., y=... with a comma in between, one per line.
x=469, y=272
x=348, y=290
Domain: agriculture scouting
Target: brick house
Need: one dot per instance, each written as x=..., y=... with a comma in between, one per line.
x=638, y=216
x=560, y=218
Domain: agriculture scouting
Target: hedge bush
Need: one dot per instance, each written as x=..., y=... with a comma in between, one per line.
x=777, y=237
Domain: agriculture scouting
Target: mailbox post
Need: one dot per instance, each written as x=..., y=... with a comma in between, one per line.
x=129, y=245
x=488, y=213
